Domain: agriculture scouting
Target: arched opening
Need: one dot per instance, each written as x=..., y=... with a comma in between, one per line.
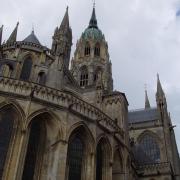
x=79, y=164
x=117, y=171
x=26, y=69
x=41, y=78
x=97, y=50
x=97, y=74
x=35, y=149
x=83, y=76
x=150, y=148
x=103, y=155
x=75, y=154
x=6, y=70
x=87, y=50
x=7, y=129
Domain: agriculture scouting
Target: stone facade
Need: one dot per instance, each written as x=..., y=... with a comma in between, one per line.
x=61, y=123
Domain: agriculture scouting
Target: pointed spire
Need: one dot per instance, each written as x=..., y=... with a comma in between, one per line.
x=1, y=31
x=13, y=35
x=93, y=20
x=65, y=21
x=160, y=91
x=147, y=103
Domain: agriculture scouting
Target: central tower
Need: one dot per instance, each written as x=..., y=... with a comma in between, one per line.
x=91, y=63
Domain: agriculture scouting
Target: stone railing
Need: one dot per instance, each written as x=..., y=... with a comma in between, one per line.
x=157, y=168
x=63, y=99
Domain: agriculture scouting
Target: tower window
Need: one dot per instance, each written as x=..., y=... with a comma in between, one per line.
x=26, y=69
x=84, y=77
x=97, y=50
x=87, y=50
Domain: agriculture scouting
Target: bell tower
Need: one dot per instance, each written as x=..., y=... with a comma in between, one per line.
x=91, y=58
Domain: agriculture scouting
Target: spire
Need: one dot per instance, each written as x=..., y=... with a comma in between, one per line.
x=160, y=91
x=13, y=35
x=65, y=21
x=1, y=31
x=93, y=20
x=147, y=103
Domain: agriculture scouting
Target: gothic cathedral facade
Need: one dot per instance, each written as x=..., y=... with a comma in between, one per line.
x=61, y=123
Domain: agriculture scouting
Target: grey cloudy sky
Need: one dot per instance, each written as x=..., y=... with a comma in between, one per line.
x=143, y=38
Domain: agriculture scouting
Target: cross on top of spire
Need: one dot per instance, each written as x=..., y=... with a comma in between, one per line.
x=93, y=20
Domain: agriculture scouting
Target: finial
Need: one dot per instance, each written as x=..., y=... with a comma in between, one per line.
x=67, y=8
x=17, y=23
x=94, y=3
x=32, y=28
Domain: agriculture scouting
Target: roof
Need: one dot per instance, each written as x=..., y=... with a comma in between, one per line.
x=143, y=115
x=32, y=38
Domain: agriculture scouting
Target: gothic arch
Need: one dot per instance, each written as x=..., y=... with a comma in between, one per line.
x=97, y=49
x=43, y=131
x=118, y=166
x=52, y=118
x=10, y=128
x=83, y=76
x=80, y=149
x=103, y=159
x=87, y=49
x=151, y=145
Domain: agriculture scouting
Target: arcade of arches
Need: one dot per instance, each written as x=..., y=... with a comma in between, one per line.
x=83, y=159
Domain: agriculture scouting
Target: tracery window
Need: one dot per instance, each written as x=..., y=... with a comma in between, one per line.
x=97, y=50
x=32, y=151
x=6, y=129
x=87, y=50
x=75, y=157
x=84, y=77
x=26, y=69
x=150, y=148
x=41, y=78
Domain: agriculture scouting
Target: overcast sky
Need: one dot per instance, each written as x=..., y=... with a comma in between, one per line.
x=143, y=38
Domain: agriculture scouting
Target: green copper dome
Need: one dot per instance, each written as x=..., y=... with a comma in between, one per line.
x=92, y=33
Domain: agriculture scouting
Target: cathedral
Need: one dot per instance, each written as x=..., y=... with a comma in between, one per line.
x=61, y=119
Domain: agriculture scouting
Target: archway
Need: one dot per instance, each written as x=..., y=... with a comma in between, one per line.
x=117, y=171
x=79, y=164
x=103, y=157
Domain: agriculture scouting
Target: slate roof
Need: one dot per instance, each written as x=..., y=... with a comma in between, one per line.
x=32, y=38
x=143, y=115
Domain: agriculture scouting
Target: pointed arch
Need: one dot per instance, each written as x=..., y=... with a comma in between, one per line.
x=44, y=130
x=41, y=79
x=118, y=166
x=97, y=49
x=80, y=150
x=9, y=127
x=149, y=144
x=103, y=159
x=26, y=68
x=87, y=50
x=83, y=76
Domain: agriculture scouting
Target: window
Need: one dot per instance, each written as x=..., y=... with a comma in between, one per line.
x=84, y=77
x=99, y=162
x=6, y=129
x=87, y=50
x=97, y=50
x=150, y=148
x=6, y=70
x=75, y=157
x=41, y=78
x=32, y=151
x=26, y=69
x=97, y=74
